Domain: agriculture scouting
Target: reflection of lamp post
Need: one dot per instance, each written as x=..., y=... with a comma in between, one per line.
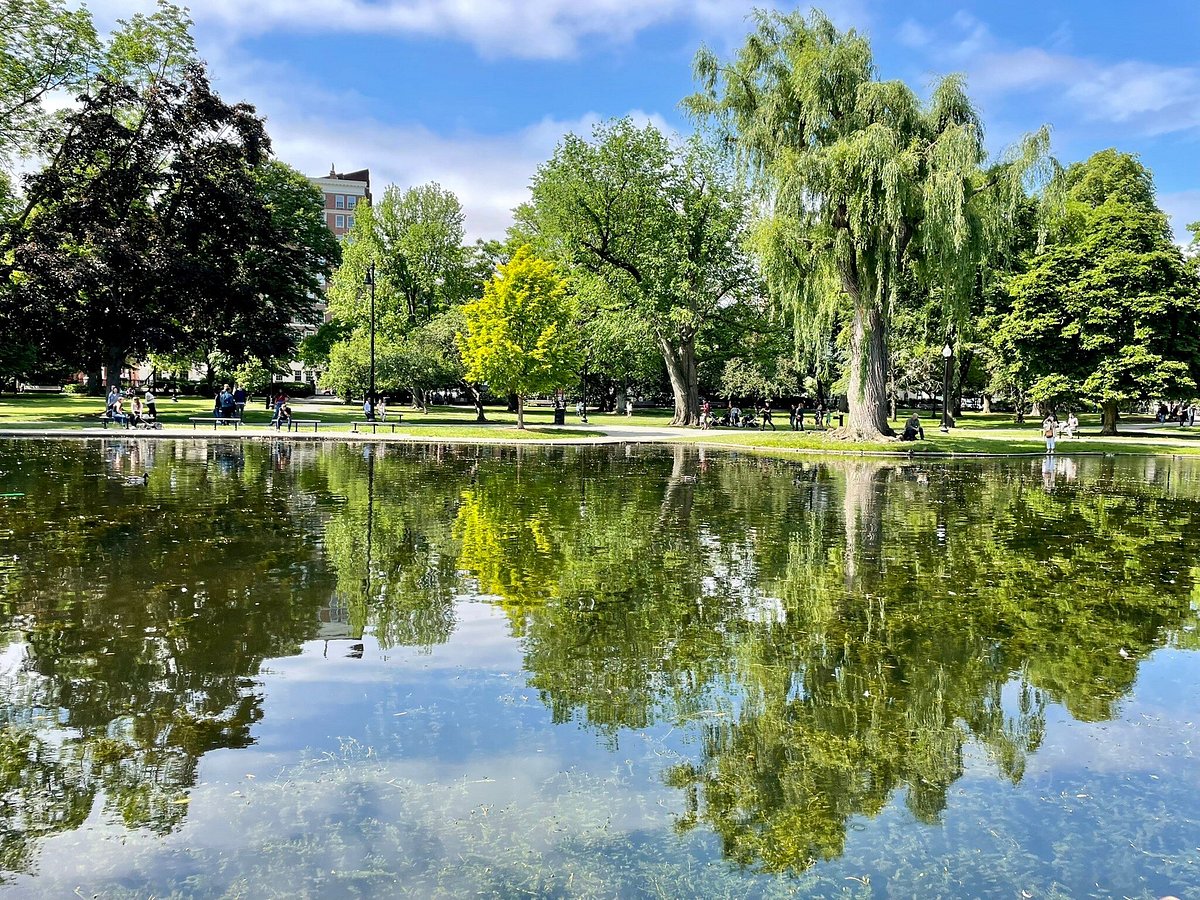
x=947, y=352
x=370, y=280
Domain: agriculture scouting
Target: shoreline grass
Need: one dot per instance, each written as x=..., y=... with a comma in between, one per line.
x=62, y=415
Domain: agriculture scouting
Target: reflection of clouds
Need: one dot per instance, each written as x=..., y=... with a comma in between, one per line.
x=481, y=642
x=1149, y=737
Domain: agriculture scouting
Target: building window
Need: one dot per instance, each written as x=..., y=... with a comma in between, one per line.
x=351, y=202
x=339, y=221
x=339, y=201
x=349, y=221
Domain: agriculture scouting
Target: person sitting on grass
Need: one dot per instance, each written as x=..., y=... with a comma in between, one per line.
x=913, y=430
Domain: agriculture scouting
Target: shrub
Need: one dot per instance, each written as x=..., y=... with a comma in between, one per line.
x=293, y=388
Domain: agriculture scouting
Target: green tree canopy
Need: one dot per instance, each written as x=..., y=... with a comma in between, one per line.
x=661, y=226
x=861, y=180
x=1109, y=311
x=518, y=337
x=158, y=225
x=44, y=48
x=414, y=238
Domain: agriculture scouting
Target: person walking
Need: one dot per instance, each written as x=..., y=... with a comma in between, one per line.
x=151, y=408
x=765, y=417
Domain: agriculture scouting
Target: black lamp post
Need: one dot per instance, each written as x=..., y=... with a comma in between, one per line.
x=947, y=352
x=370, y=280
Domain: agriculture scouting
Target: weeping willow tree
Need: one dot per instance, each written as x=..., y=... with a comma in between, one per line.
x=858, y=180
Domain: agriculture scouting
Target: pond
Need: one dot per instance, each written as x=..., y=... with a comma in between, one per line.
x=274, y=669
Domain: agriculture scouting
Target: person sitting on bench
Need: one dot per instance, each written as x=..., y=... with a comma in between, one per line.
x=913, y=429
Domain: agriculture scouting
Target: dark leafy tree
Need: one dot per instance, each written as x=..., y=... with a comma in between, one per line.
x=159, y=226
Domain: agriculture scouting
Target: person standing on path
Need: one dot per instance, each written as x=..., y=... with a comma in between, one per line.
x=1049, y=430
x=765, y=417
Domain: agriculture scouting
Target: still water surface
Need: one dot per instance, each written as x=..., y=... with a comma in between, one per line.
x=289, y=670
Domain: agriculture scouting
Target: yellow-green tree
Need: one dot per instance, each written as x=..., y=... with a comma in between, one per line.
x=518, y=336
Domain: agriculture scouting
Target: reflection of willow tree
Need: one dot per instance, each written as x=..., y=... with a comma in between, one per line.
x=403, y=499
x=873, y=618
x=895, y=643
x=139, y=613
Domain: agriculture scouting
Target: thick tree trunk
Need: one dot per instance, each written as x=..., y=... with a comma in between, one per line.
x=863, y=505
x=521, y=411
x=681, y=369
x=1108, y=417
x=987, y=404
x=114, y=362
x=95, y=382
x=513, y=402
x=868, y=376
x=1036, y=410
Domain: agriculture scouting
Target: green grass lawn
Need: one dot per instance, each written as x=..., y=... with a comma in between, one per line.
x=67, y=411
x=974, y=432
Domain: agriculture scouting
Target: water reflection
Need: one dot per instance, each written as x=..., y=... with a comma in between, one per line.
x=834, y=637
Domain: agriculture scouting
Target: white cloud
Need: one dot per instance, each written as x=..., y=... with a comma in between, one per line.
x=532, y=29
x=1145, y=98
x=489, y=173
x=527, y=29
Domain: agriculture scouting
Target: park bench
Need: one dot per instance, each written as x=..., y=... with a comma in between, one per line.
x=107, y=420
x=373, y=425
x=296, y=424
x=215, y=420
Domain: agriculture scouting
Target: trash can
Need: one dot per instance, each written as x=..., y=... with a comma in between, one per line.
x=560, y=415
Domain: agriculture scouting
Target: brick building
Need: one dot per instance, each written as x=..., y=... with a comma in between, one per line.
x=344, y=192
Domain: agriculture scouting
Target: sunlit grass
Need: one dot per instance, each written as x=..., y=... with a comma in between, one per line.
x=974, y=433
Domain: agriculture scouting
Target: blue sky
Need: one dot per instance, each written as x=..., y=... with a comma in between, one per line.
x=475, y=93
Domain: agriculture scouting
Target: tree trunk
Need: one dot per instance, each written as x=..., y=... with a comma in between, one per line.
x=681, y=368
x=987, y=404
x=95, y=382
x=521, y=411
x=1108, y=417
x=1036, y=410
x=513, y=402
x=862, y=506
x=114, y=362
x=868, y=376
x=964, y=369
x=477, y=399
